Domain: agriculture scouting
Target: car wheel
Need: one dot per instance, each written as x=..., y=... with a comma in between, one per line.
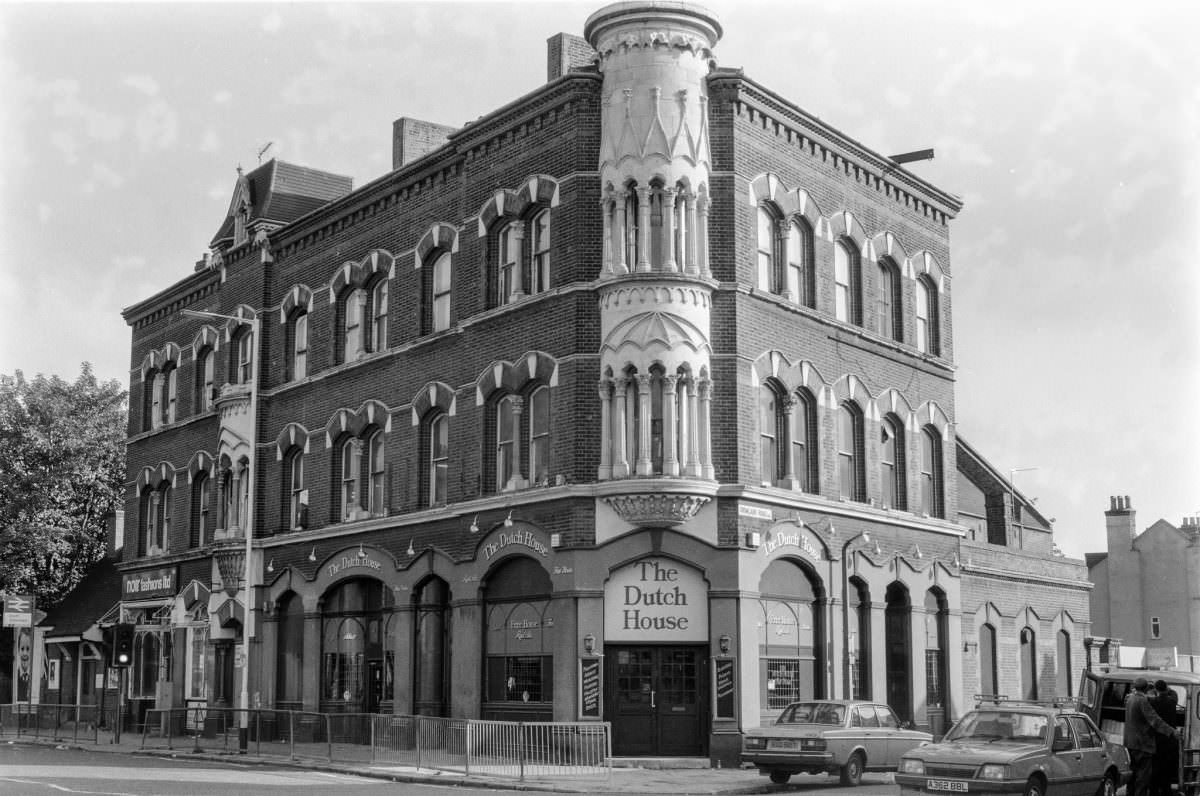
x=780, y=777
x=1108, y=786
x=1035, y=787
x=853, y=770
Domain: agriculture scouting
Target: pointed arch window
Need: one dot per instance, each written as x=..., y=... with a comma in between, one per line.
x=539, y=435
x=932, y=487
x=245, y=356
x=377, y=475
x=439, y=293
x=799, y=263
x=851, y=475
x=928, y=340
x=632, y=227
x=438, y=432
x=506, y=442
x=989, y=674
x=508, y=281
x=1029, y=667
x=353, y=307
x=297, y=512
x=805, y=464
x=768, y=249
x=298, y=349
x=771, y=429
x=351, y=461
x=539, y=281
x=379, y=315
x=892, y=476
x=889, y=317
x=847, y=277
x=206, y=368
x=201, y=514
x=153, y=400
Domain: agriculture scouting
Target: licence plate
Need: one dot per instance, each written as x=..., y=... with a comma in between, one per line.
x=952, y=785
x=781, y=744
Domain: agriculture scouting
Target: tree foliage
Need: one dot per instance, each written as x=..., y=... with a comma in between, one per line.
x=62, y=466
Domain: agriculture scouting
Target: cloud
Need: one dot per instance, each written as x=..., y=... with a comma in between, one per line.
x=143, y=83
x=65, y=143
x=1045, y=179
x=156, y=127
x=897, y=98
x=272, y=22
x=210, y=142
x=45, y=212
x=102, y=178
x=223, y=96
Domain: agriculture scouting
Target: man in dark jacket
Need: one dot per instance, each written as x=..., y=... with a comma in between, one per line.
x=1166, y=757
x=1141, y=726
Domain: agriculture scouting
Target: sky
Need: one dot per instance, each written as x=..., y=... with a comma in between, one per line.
x=1071, y=131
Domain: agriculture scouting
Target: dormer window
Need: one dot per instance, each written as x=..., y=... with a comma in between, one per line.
x=241, y=222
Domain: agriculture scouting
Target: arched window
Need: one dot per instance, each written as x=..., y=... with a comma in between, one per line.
x=508, y=277
x=851, y=475
x=847, y=277
x=439, y=293
x=891, y=463
x=518, y=667
x=297, y=358
x=800, y=276
x=206, y=367
x=539, y=435
x=632, y=226
x=506, y=442
x=170, y=378
x=157, y=519
x=296, y=517
x=928, y=337
x=353, y=305
x=772, y=431
x=244, y=348
x=438, y=445
x=201, y=514
x=353, y=615
x=889, y=317
x=805, y=462
x=228, y=505
x=791, y=635
x=379, y=315
x=152, y=384
x=937, y=659
x=1029, y=667
x=1063, y=659
x=932, y=500
x=351, y=466
x=768, y=249
x=989, y=675
x=377, y=475
x=539, y=280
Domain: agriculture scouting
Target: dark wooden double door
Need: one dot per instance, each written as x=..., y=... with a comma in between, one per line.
x=655, y=698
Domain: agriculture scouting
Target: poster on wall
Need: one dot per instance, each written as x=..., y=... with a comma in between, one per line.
x=724, y=678
x=52, y=674
x=589, y=688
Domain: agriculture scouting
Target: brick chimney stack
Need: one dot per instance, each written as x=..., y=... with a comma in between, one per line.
x=1121, y=521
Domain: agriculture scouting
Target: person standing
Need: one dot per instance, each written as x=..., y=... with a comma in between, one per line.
x=1166, y=756
x=1142, y=724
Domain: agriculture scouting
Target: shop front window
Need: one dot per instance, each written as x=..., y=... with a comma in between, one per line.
x=518, y=669
x=352, y=646
x=790, y=636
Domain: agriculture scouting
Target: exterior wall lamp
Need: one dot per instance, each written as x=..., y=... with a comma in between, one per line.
x=589, y=643
x=723, y=642
x=970, y=647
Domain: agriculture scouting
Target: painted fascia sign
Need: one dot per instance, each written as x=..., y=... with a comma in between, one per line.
x=656, y=600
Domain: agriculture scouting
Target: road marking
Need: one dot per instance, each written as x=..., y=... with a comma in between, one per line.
x=65, y=789
x=198, y=775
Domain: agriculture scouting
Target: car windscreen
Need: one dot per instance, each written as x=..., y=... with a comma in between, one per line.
x=1000, y=725
x=813, y=713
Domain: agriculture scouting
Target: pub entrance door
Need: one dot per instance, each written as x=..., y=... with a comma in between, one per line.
x=655, y=698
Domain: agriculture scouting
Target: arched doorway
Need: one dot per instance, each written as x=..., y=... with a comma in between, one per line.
x=791, y=636
x=937, y=665
x=357, y=639
x=859, y=643
x=431, y=673
x=897, y=644
x=518, y=645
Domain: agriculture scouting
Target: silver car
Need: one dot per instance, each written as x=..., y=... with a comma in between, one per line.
x=843, y=737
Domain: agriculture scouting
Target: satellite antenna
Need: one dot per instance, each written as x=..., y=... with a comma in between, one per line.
x=263, y=151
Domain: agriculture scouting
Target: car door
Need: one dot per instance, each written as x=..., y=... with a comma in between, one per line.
x=897, y=739
x=867, y=732
x=1064, y=766
x=1093, y=756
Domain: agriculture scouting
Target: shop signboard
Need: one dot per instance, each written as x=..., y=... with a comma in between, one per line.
x=724, y=704
x=149, y=584
x=656, y=600
x=589, y=688
x=18, y=610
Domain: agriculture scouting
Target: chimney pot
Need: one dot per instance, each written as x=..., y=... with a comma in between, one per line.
x=1128, y=505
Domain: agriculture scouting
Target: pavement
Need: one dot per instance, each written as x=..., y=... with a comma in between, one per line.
x=662, y=775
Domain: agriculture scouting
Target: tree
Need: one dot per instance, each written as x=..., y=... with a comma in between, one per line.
x=62, y=468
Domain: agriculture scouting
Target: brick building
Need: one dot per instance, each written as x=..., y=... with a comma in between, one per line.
x=631, y=400
x=1146, y=589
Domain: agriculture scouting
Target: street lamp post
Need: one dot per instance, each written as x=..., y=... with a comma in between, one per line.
x=1012, y=499
x=248, y=520
x=866, y=537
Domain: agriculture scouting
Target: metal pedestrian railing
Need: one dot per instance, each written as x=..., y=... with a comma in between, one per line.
x=56, y=722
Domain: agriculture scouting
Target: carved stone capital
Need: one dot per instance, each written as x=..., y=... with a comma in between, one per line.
x=657, y=510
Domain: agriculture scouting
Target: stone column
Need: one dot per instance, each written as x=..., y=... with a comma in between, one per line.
x=706, y=465
x=643, y=263
x=620, y=430
x=878, y=649
x=604, y=472
x=402, y=659
x=670, y=461
x=668, y=230
x=234, y=523
x=466, y=651
x=219, y=496
x=702, y=238
x=310, y=676
x=618, y=239
x=644, y=464
x=606, y=259
x=693, y=416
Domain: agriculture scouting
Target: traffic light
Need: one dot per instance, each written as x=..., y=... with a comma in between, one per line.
x=122, y=645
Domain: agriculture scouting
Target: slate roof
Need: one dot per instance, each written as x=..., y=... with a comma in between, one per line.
x=99, y=590
x=280, y=193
